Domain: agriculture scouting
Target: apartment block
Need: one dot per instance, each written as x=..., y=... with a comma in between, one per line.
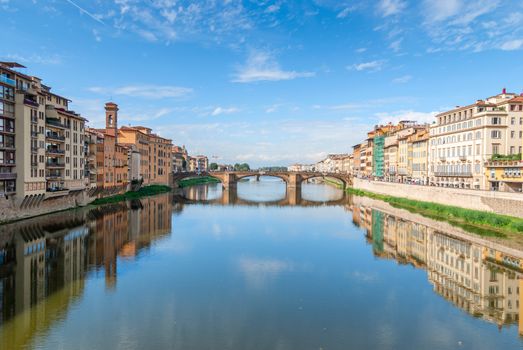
x=180, y=157
x=418, y=156
x=464, y=139
x=42, y=141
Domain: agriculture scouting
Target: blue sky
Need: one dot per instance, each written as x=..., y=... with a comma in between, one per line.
x=267, y=82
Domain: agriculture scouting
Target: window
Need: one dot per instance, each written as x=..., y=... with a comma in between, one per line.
x=495, y=134
x=496, y=120
x=495, y=148
x=512, y=134
x=512, y=120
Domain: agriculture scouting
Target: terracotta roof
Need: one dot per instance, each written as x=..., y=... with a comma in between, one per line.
x=518, y=99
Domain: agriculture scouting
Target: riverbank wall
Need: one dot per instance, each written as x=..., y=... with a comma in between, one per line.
x=504, y=203
x=10, y=209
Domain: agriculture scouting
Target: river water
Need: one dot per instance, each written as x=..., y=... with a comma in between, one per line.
x=256, y=268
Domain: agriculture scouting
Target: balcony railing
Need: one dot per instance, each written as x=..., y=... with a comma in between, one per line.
x=7, y=145
x=8, y=114
x=7, y=176
x=452, y=174
x=54, y=136
x=30, y=102
x=55, y=164
x=54, y=122
x=55, y=151
x=54, y=175
x=10, y=162
x=6, y=129
x=6, y=80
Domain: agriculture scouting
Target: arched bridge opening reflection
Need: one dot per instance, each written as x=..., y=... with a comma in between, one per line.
x=262, y=193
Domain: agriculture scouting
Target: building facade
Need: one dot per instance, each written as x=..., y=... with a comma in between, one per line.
x=464, y=139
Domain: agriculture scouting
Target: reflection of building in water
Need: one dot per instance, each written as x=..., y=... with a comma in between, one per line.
x=479, y=276
x=43, y=261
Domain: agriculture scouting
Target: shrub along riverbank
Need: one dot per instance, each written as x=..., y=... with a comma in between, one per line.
x=142, y=192
x=480, y=222
x=197, y=181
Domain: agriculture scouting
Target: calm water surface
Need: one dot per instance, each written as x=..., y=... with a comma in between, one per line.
x=255, y=268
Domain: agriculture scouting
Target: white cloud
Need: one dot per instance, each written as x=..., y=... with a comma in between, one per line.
x=261, y=66
x=144, y=91
x=34, y=58
x=391, y=7
x=96, y=35
x=396, y=45
x=436, y=11
x=145, y=116
x=259, y=272
x=402, y=80
x=368, y=66
x=222, y=110
x=273, y=8
x=345, y=12
x=147, y=35
x=512, y=45
x=361, y=50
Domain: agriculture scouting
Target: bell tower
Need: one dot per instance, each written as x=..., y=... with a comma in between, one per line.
x=111, y=119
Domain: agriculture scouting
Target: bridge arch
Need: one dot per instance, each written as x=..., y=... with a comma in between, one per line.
x=279, y=176
x=345, y=180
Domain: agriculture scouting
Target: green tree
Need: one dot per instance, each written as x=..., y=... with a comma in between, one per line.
x=213, y=166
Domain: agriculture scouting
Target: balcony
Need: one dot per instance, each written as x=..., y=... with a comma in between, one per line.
x=58, y=151
x=4, y=79
x=8, y=162
x=34, y=149
x=54, y=175
x=7, y=130
x=54, y=123
x=7, y=176
x=451, y=174
x=34, y=119
x=7, y=145
x=8, y=114
x=34, y=133
x=55, y=136
x=54, y=164
x=30, y=102
x=442, y=158
x=463, y=158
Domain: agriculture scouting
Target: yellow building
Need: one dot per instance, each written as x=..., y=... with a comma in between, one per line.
x=504, y=175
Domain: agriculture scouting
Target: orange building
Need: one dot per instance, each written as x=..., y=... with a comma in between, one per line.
x=112, y=166
x=155, y=153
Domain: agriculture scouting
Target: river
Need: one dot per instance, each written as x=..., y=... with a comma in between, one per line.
x=256, y=268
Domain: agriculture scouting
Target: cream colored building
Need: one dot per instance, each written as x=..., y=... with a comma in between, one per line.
x=45, y=145
x=418, y=156
x=465, y=138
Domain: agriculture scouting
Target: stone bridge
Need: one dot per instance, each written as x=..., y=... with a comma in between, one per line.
x=291, y=178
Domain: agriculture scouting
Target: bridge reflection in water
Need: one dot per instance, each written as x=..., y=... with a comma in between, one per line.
x=45, y=261
x=215, y=195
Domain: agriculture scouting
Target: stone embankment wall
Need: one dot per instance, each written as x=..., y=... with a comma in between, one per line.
x=10, y=209
x=505, y=203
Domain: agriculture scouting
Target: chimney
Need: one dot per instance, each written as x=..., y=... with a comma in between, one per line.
x=504, y=91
